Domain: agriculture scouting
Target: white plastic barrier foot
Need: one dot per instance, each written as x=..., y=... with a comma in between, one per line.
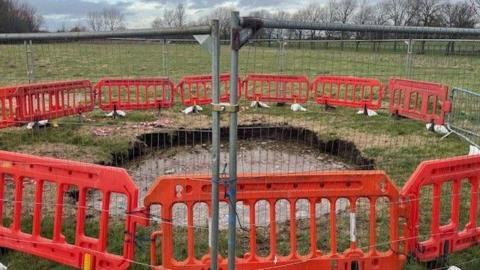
x=3, y=267
x=116, y=113
x=192, y=109
x=297, y=108
x=474, y=151
x=370, y=113
x=440, y=129
x=37, y=124
x=258, y=104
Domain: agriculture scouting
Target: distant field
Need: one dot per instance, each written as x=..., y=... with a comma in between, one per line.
x=397, y=146
x=382, y=60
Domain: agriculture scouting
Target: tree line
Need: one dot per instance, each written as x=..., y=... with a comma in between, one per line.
x=18, y=17
x=441, y=13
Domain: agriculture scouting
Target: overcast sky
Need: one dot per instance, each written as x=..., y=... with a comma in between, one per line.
x=140, y=13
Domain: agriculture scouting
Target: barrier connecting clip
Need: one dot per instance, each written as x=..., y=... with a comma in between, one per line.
x=225, y=107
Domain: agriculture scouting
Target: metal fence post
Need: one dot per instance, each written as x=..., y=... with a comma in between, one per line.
x=232, y=193
x=281, y=55
x=29, y=63
x=408, y=63
x=164, y=57
x=215, y=143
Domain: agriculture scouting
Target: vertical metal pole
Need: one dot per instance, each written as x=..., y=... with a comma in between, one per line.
x=32, y=62
x=215, y=143
x=408, y=64
x=281, y=55
x=27, y=61
x=232, y=192
x=164, y=57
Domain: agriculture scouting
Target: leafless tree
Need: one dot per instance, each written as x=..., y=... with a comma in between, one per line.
x=299, y=16
x=458, y=14
x=365, y=13
x=95, y=21
x=168, y=17
x=476, y=5
x=108, y=19
x=157, y=23
x=400, y=12
x=345, y=9
x=114, y=19
x=282, y=16
x=222, y=14
x=78, y=28
x=179, y=16
x=429, y=13
x=314, y=13
x=17, y=16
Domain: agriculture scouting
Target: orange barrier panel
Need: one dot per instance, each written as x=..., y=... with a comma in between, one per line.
x=53, y=100
x=18, y=172
x=431, y=176
x=8, y=107
x=348, y=91
x=374, y=185
x=424, y=101
x=135, y=94
x=197, y=89
x=276, y=88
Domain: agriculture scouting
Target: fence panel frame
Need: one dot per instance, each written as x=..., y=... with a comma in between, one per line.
x=469, y=135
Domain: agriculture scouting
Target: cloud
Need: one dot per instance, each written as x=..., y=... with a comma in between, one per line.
x=140, y=13
x=71, y=7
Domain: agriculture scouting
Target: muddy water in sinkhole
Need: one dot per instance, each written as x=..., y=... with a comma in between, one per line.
x=254, y=156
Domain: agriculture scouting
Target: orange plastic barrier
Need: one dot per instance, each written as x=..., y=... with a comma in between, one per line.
x=276, y=88
x=418, y=100
x=135, y=94
x=448, y=237
x=197, y=89
x=53, y=100
x=354, y=185
x=8, y=107
x=348, y=91
x=17, y=171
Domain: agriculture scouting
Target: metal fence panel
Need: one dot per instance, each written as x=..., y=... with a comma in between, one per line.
x=464, y=120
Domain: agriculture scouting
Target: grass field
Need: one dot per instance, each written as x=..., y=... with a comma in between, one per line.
x=397, y=146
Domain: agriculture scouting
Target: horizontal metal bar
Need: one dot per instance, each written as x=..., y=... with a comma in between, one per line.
x=268, y=23
x=457, y=89
x=464, y=137
x=363, y=40
x=193, y=30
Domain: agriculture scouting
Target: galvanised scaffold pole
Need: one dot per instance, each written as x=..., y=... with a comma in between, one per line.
x=232, y=191
x=215, y=52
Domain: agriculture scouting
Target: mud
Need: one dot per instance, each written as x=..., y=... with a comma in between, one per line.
x=260, y=150
x=254, y=156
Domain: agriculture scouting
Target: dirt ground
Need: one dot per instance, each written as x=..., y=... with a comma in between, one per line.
x=254, y=157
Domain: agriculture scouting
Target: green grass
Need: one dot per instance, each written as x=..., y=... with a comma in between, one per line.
x=397, y=146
